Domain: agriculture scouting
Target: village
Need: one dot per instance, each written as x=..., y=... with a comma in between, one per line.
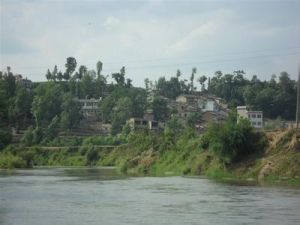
x=206, y=108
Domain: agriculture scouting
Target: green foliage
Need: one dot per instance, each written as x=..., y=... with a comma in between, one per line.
x=160, y=109
x=121, y=112
x=47, y=102
x=193, y=118
x=19, y=108
x=37, y=135
x=274, y=98
x=103, y=140
x=10, y=161
x=52, y=129
x=233, y=141
x=5, y=138
x=92, y=155
x=173, y=127
x=27, y=138
x=70, y=115
x=70, y=67
x=28, y=157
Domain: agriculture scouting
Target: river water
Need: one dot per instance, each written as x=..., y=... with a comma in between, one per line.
x=77, y=196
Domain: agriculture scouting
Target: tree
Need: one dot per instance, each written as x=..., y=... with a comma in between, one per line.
x=47, y=102
x=19, y=109
x=52, y=129
x=121, y=112
x=10, y=83
x=59, y=76
x=70, y=67
x=82, y=72
x=194, y=71
x=70, y=115
x=160, y=109
x=173, y=128
x=87, y=86
x=48, y=75
x=99, y=66
x=202, y=80
x=169, y=88
x=119, y=77
x=178, y=74
x=232, y=141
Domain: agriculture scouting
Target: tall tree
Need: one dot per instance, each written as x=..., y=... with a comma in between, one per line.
x=99, y=66
x=70, y=67
x=194, y=71
x=202, y=80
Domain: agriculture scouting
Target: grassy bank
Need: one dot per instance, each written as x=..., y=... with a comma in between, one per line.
x=278, y=162
x=185, y=153
x=62, y=151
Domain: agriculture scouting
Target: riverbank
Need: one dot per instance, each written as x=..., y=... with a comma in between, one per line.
x=278, y=162
x=161, y=155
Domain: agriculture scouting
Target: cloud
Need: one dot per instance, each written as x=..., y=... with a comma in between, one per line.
x=111, y=21
x=204, y=31
x=132, y=33
x=14, y=45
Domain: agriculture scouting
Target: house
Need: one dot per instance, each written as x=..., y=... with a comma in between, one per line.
x=255, y=117
x=27, y=84
x=141, y=124
x=89, y=108
x=210, y=107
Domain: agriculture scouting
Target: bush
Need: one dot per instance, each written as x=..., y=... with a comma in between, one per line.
x=5, y=138
x=232, y=141
x=9, y=161
x=28, y=157
x=92, y=155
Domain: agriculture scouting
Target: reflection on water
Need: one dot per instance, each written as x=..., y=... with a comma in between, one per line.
x=101, y=196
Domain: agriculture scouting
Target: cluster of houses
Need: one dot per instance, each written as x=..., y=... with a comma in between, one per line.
x=209, y=108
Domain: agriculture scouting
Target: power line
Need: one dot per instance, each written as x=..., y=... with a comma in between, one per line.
x=170, y=58
x=195, y=63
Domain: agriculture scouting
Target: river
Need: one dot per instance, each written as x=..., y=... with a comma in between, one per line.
x=77, y=196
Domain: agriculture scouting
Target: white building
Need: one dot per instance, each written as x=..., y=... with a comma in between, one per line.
x=89, y=108
x=255, y=117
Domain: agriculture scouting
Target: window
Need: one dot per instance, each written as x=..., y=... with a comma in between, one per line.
x=258, y=116
x=253, y=115
x=253, y=123
x=259, y=123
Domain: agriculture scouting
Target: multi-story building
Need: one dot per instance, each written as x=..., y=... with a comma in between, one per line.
x=89, y=108
x=255, y=117
x=209, y=106
x=142, y=123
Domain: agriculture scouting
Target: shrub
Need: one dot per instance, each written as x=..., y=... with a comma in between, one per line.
x=232, y=141
x=9, y=161
x=28, y=157
x=5, y=138
x=92, y=155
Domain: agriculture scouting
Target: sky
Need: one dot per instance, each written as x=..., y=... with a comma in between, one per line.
x=151, y=38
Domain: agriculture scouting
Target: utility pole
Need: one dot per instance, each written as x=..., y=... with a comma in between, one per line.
x=298, y=100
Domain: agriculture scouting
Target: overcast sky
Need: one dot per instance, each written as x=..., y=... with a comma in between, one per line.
x=151, y=38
